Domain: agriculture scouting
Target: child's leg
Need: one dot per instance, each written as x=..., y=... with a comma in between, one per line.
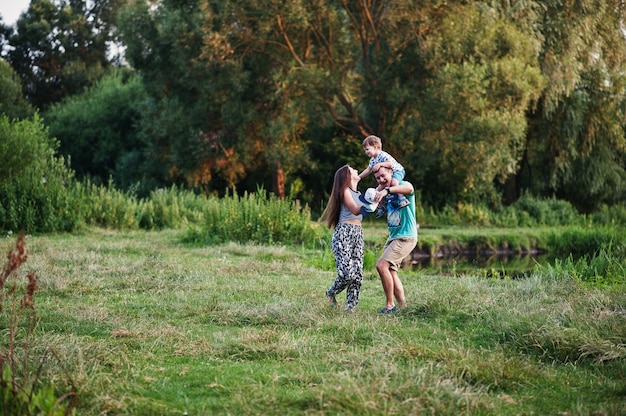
x=399, y=200
x=398, y=175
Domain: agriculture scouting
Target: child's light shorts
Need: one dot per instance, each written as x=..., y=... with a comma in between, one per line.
x=398, y=174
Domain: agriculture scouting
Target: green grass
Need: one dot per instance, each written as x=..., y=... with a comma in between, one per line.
x=147, y=325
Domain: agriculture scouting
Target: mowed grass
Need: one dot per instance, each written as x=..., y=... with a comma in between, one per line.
x=143, y=324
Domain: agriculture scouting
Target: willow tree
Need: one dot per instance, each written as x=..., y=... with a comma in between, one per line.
x=483, y=75
x=576, y=146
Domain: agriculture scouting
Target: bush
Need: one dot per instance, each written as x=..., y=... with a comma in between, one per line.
x=34, y=194
x=104, y=206
x=171, y=208
x=614, y=216
x=533, y=211
x=581, y=241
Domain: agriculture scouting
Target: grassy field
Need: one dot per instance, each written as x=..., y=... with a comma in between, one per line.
x=143, y=324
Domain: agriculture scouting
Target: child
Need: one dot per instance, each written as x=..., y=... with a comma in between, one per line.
x=373, y=146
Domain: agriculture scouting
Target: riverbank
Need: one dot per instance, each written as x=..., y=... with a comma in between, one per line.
x=454, y=241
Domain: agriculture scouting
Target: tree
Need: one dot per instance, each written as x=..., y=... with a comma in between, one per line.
x=12, y=102
x=482, y=76
x=60, y=47
x=576, y=144
x=97, y=130
x=252, y=87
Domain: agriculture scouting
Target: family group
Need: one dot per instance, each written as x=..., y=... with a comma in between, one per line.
x=393, y=197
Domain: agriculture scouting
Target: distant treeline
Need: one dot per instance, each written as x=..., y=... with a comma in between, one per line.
x=39, y=192
x=483, y=102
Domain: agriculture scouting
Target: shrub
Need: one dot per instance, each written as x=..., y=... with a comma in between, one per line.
x=580, y=241
x=105, y=206
x=614, y=216
x=549, y=212
x=34, y=194
x=171, y=208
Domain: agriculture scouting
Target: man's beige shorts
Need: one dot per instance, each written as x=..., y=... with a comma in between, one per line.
x=396, y=250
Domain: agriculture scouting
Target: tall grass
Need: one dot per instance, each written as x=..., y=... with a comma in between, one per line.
x=65, y=205
x=256, y=217
x=527, y=211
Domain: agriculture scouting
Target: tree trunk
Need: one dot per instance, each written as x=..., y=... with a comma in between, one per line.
x=278, y=185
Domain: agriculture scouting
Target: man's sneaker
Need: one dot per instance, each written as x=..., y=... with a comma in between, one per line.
x=385, y=311
x=331, y=300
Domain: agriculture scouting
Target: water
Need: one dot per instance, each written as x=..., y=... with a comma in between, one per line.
x=497, y=265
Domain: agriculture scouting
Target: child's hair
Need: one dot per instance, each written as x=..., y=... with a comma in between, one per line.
x=372, y=140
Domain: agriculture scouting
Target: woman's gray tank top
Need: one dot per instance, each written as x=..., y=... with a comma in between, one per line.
x=345, y=214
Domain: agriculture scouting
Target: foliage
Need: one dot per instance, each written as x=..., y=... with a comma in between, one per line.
x=105, y=206
x=97, y=130
x=527, y=211
x=532, y=211
x=483, y=77
x=576, y=143
x=12, y=101
x=581, y=241
x=22, y=389
x=614, y=216
x=258, y=218
x=60, y=47
x=171, y=208
x=600, y=268
x=34, y=193
x=481, y=101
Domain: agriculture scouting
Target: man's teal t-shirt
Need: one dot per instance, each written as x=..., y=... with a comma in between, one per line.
x=401, y=221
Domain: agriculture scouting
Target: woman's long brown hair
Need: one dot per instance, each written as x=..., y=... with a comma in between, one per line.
x=340, y=183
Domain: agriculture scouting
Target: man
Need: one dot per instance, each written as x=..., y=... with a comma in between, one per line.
x=401, y=241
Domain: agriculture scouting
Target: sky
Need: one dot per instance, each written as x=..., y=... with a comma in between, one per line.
x=10, y=10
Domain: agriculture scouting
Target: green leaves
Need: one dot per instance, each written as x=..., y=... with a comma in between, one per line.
x=60, y=47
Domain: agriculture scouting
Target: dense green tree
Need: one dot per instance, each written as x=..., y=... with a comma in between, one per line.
x=60, y=47
x=267, y=78
x=12, y=102
x=576, y=146
x=483, y=75
x=163, y=44
x=97, y=131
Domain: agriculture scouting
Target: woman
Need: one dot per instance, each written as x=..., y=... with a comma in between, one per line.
x=343, y=213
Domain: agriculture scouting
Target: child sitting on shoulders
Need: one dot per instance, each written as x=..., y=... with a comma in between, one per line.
x=373, y=147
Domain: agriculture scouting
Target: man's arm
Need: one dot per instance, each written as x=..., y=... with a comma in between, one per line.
x=405, y=188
